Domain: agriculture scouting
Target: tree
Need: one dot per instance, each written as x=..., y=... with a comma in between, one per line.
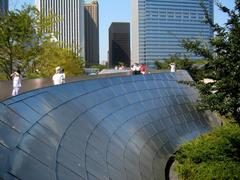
x=14, y=28
x=51, y=55
x=21, y=32
x=161, y=64
x=222, y=95
x=99, y=66
x=181, y=62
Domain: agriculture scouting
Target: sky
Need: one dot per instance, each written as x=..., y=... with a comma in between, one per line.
x=119, y=11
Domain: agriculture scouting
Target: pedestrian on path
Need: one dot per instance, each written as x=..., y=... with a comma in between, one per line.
x=17, y=79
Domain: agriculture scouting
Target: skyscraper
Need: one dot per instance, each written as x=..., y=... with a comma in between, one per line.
x=158, y=26
x=70, y=30
x=119, y=43
x=3, y=6
x=91, y=24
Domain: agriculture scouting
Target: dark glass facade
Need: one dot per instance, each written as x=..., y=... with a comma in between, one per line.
x=119, y=44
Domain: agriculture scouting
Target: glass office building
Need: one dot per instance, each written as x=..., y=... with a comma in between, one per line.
x=70, y=30
x=3, y=6
x=158, y=26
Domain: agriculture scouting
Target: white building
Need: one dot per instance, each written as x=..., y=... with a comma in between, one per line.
x=158, y=26
x=70, y=30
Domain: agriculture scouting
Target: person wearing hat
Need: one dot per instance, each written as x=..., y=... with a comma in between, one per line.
x=16, y=76
x=57, y=77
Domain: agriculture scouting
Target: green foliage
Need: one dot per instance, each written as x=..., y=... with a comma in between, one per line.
x=52, y=55
x=99, y=66
x=184, y=64
x=120, y=63
x=212, y=156
x=161, y=65
x=2, y=76
x=181, y=63
x=223, y=64
x=21, y=35
x=15, y=33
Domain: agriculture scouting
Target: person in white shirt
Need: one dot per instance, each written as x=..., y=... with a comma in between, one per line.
x=16, y=82
x=57, y=77
x=173, y=67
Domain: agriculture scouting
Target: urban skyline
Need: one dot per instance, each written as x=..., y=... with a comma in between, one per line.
x=119, y=11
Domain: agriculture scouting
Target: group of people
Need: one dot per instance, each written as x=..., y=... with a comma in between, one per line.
x=141, y=69
x=59, y=76
x=120, y=67
x=138, y=69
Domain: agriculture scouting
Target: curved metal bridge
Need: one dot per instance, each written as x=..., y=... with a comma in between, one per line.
x=119, y=128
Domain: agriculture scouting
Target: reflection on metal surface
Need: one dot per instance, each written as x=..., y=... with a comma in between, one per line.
x=31, y=84
x=108, y=128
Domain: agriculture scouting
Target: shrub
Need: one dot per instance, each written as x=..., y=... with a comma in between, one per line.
x=212, y=156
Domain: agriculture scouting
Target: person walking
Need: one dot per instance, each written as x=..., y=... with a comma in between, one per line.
x=57, y=77
x=16, y=76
